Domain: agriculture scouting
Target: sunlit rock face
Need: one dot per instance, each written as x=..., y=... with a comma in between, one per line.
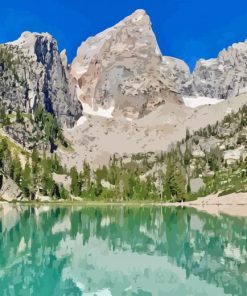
x=122, y=68
x=32, y=73
x=224, y=77
x=179, y=75
x=220, y=78
x=9, y=190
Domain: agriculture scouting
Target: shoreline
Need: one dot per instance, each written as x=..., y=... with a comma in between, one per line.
x=234, y=204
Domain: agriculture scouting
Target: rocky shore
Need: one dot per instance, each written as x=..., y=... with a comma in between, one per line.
x=234, y=204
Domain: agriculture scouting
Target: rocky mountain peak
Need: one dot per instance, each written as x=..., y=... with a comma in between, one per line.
x=30, y=42
x=37, y=76
x=122, y=68
x=139, y=17
x=223, y=77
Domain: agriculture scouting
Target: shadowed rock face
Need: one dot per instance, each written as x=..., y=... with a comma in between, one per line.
x=122, y=67
x=36, y=74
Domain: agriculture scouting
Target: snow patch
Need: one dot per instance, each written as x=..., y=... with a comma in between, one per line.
x=107, y=113
x=194, y=102
x=81, y=121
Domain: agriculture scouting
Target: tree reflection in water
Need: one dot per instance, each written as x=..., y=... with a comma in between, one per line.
x=121, y=251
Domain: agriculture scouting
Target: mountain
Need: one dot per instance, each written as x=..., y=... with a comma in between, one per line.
x=180, y=74
x=224, y=77
x=32, y=73
x=135, y=107
x=121, y=69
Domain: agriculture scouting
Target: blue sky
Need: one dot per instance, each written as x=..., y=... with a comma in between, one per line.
x=187, y=29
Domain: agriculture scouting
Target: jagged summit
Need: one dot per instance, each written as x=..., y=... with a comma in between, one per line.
x=28, y=34
x=119, y=71
x=37, y=76
x=225, y=76
x=139, y=17
x=122, y=68
x=27, y=39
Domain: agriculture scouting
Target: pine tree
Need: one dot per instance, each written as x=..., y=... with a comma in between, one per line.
x=75, y=182
x=86, y=175
x=19, y=117
x=174, y=181
x=4, y=120
x=26, y=183
x=4, y=150
x=187, y=156
x=16, y=170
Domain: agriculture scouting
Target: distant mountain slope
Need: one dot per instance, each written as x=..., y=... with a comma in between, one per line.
x=97, y=138
x=135, y=109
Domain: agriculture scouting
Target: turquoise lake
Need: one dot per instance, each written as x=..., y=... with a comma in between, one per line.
x=116, y=250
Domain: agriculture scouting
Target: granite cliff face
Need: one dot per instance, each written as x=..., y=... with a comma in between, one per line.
x=224, y=77
x=33, y=73
x=179, y=75
x=122, y=68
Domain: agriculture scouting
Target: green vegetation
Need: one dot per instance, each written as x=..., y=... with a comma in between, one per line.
x=8, y=61
x=148, y=177
x=47, y=123
x=6, y=58
x=167, y=177
x=4, y=119
x=31, y=172
x=40, y=127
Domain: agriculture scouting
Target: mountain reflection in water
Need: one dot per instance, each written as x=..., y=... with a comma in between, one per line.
x=116, y=250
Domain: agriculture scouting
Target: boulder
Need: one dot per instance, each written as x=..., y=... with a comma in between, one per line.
x=196, y=184
x=9, y=190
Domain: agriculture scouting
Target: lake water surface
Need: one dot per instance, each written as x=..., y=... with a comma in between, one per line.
x=120, y=251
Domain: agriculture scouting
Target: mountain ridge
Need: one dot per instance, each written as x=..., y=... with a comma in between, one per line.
x=133, y=107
